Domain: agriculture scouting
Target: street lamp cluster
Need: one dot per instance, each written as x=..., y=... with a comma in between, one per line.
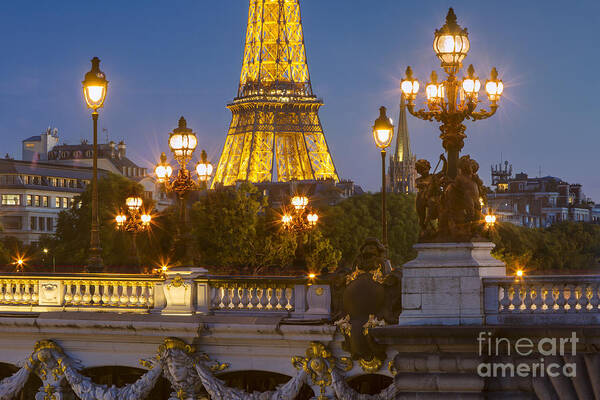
x=452, y=100
x=300, y=217
x=134, y=219
x=183, y=142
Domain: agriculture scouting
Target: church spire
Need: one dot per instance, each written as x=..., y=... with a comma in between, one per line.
x=402, y=152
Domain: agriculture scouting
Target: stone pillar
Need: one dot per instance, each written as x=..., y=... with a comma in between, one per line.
x=443, y=285
x=181, y=291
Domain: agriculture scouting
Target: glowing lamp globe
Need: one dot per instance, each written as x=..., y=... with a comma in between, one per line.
x=182, y=141
x=434, y=91
x=451, y=43
x=490, y=219
x=312, y=218
x=95, y=86
x=133, y=203
x=146, y=218
x=494, y=86
x=286, y=219
x=471, y=84
x=409, y=85
x=299, y=202
x=163, y=170
x=383, y=130
x=204, y=169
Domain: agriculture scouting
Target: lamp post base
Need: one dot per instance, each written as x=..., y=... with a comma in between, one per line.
x=95, y=263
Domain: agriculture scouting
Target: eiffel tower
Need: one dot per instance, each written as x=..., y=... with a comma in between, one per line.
x=275, y=133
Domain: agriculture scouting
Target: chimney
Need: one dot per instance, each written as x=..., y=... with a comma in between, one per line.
x=122, y=149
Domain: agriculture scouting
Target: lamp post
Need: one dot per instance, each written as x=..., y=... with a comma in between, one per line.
x=182, y=143
x=299, y=219
x=95, y=87
x=383, y=132
x=450, y=102
x=46, y=251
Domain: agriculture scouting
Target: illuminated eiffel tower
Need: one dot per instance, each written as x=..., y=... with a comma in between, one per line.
x=275, y=133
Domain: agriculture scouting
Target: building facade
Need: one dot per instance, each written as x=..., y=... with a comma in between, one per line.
x=536, y=202
x=36, y=148
x=32, y=194
x=401, y=172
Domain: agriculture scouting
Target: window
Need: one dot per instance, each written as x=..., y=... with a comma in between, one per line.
x=64, y=202
x=38, y=201
x=46, y=201
x=57, y=202
x=11, y=200
x=33, y=223
x=11, y=222
x=29, y=200
x=52, y=181
x=50, y=224
x=42, y=223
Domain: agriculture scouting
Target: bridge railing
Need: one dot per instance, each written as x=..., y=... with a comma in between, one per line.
x=539, y=300
x=176, y=293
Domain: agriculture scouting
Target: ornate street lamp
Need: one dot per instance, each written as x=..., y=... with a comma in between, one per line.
x=297, y=219
x=134, y=219
x=383, y=133
x=95, y=87
x=450, y=102
x=183, y=142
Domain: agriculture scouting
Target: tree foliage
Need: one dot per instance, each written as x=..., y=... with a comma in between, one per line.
x=348, y=223
x=561, y=247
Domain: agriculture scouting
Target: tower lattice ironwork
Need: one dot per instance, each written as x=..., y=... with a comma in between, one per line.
x=275, y=132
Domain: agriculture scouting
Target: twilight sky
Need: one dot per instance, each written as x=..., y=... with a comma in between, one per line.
x=165, y=59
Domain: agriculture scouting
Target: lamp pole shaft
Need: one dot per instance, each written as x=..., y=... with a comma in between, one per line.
x=383, y=203
x=95, y=263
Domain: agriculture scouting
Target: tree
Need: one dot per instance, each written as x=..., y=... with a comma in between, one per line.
x=71, y=242
x=348, y=223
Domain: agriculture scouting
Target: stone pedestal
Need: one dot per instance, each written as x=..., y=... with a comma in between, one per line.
x=182, y=294
x=443, y=285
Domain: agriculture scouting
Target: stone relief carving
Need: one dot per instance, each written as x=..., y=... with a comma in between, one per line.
x=190, y=373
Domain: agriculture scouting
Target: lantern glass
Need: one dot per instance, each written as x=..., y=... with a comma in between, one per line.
x=95, y=86
x=451, y=42
x=134, y=203
x=383, y=130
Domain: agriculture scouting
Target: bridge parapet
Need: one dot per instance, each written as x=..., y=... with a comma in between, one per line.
x=541, y=300
x=181, y=292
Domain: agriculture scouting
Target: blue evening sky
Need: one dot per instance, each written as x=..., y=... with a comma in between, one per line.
x=183, y=57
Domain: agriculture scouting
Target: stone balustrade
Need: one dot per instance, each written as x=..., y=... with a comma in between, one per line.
x=543, y=300
x=182, y=291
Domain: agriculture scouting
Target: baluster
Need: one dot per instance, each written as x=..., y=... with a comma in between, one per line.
x=516, y=298
x=561, y=301
x=3, y=285
x=114, y=298
x=235, y=299
x=215, y=297
x=133, y=297
x=77, y=295
x=105, y=293
x=527, y=300
x=17, y=292
x=538, y=301
x=124, y=299
x=245, y=298
x=264, y=301
x=150, y=300
x=572, y=300
x=36, y=294
x=254, y=300
x=272, y=298
x=224, y=296
x=68, y=292
x=595, y=299
x=289, y=295
x=504, y=301
x=96, y=296
x=583, y=300
x=26, y=297
x=87, y=296
x=550, y=299
x=283, y=302
x=143, y=297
